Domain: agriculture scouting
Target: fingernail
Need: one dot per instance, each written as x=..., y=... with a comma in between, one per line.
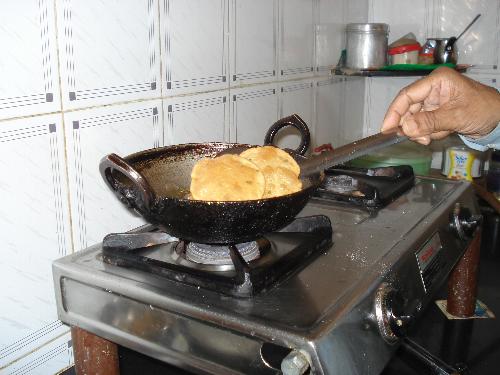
x=425, y=140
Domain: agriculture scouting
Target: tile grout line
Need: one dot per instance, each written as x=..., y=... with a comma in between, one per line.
x=63, y=124
x=160, y=78
x=144, y=100
x=16, y=360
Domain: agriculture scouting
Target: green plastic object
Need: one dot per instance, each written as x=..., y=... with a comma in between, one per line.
x=416, y=66
x=407, y=153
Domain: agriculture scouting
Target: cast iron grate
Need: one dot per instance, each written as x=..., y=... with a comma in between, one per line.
x=283, y=253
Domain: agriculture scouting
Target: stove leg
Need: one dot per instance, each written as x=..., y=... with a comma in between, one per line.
x=456, y=340
x=462, y=284
x=93, y=354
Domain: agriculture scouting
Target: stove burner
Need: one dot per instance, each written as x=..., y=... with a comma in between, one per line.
x=220, y=254
x=275, y=256
x=341, y=184
x=369, y=188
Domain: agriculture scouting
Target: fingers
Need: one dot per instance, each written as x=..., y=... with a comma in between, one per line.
x=440, y=135
x=415, y=108
x=391, y=122
x=409, y=98
x=425, y=140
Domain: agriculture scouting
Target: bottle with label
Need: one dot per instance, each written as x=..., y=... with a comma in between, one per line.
x=461, y=162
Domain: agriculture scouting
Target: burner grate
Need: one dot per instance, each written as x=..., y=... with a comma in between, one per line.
x=370, y=188
x=305, y=237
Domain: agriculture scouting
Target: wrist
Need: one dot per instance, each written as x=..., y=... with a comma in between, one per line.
x=491, y=109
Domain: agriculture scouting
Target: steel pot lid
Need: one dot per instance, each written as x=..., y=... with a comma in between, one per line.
x=368, y=27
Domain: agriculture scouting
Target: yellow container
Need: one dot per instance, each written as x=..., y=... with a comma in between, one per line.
x=462, y=163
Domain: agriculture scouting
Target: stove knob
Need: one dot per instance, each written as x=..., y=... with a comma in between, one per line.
x=462, y=222
x=297, y=362
x=390, y=314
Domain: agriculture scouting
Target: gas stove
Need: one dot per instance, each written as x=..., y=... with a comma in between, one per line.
x=333, y=293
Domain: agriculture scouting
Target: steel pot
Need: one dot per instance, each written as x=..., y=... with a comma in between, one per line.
x=366, y=45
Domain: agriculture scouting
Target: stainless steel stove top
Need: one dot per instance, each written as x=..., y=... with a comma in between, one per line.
x=329, y=314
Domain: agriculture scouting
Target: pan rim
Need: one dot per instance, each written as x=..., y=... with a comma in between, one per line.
x=253, y=201
x=149, y=154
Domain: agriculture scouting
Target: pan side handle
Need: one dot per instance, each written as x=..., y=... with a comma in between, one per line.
x=299, y=124
x=138, y=194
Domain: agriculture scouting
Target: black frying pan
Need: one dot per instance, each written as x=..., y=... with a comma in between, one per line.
x=155, y=182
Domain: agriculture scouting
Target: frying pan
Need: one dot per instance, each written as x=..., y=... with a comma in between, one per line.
x=155, y=183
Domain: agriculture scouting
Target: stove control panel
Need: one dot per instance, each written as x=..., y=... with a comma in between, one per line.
x=430, y=261
x=419, y=274
x=390, y=315
x=462, y=222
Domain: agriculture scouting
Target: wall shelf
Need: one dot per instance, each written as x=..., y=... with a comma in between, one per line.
x=390, y=73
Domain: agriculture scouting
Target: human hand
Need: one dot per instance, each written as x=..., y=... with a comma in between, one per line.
x=442, y=103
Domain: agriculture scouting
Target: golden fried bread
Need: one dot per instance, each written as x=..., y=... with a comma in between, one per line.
x=227, y=178
x=270, y=156
x=280, y=181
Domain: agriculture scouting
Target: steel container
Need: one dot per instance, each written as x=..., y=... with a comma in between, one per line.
x=366, y=45
x=445, y=51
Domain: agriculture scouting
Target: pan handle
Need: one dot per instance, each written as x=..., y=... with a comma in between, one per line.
x=137, y=195
x=299, y=124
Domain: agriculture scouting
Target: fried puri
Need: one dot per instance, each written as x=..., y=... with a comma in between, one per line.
x=227, y=178
x=270, y=156
x=280, y=170
x=280, y=181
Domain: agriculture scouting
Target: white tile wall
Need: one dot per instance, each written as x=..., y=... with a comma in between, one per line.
x=329, y=32
x=48, y=359
x=253, y=110
x=330, y=102
x=404, y=18
x=253, y=42
x=109, y=51
x=297, y=44
x=34, y=227
x=194, y=45
x=28, y=66
x=353, y=125
x=90, y=135
x=197, y=118
x=356, y=11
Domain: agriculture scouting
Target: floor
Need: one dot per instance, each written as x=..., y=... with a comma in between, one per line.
x=472, y=345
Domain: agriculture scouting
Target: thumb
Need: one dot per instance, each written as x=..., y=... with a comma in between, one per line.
x=425, y=123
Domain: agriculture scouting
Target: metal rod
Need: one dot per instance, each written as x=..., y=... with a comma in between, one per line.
x=348, y=152
x=468, y=26
x=432, y=364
